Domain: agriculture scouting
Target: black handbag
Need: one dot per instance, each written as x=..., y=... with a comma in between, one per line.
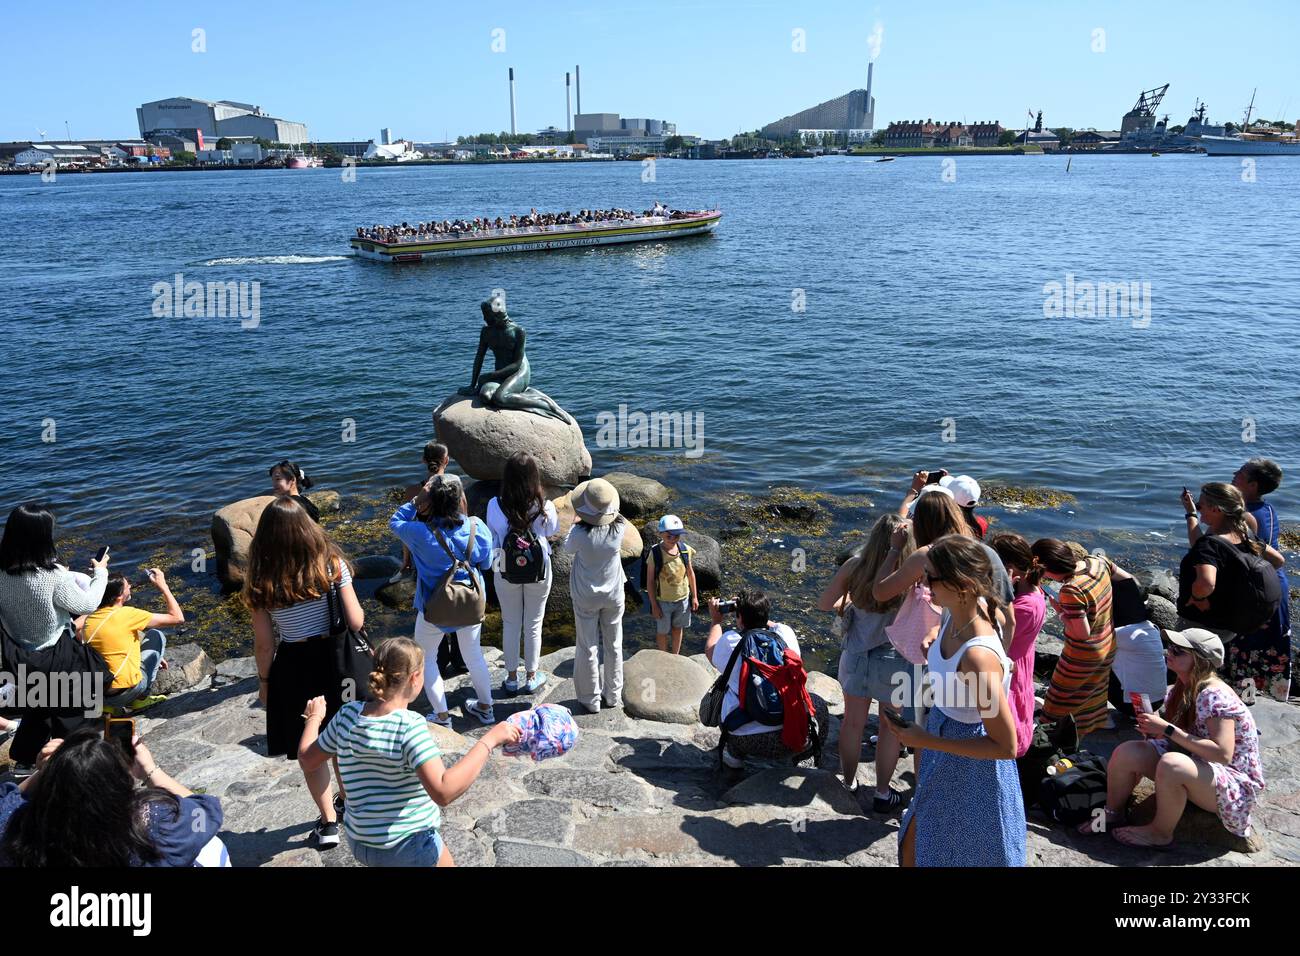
x=354, y=658
x=711, y=703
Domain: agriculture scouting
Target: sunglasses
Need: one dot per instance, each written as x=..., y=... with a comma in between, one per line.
x=933, y=579
x=1176, y=650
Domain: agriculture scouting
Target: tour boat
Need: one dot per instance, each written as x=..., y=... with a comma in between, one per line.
x=301, y=161
x=533, y=238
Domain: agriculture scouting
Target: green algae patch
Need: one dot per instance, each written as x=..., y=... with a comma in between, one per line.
x=1025, y=496
x=1289, y=539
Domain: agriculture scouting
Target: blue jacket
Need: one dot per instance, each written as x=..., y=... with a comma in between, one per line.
x=431, y=561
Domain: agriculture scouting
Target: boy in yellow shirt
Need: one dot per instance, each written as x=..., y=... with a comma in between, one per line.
x=670, y=582
x=129, y=640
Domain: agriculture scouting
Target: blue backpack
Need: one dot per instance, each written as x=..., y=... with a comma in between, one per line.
x=759, y=700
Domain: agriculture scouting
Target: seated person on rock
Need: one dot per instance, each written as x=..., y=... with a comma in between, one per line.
x=804, y=720
x=130, y=640
x=1206, y=752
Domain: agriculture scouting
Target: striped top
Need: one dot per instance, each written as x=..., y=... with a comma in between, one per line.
x=1089, y=593
x=308, y=619
x=378, y=757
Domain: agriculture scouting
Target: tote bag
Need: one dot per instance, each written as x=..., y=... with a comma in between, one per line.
x=916, y=623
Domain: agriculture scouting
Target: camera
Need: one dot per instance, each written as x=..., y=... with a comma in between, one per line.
x=727, y=607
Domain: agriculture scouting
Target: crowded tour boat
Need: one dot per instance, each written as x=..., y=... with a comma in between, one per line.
x=415, y=242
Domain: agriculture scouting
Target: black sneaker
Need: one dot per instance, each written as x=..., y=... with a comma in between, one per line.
x=887, y=804
x=338, y=805
x=325, y=834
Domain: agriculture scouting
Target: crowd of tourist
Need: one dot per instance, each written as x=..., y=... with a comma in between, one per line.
x=939, y=621
x=532, y=220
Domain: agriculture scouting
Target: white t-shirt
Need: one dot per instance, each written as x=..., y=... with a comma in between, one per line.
x=1140, y=660
x=722, y=653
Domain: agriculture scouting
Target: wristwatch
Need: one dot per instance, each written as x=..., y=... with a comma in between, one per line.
x=1169, y=730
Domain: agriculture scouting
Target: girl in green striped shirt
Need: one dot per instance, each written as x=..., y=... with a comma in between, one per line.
x=391, y=766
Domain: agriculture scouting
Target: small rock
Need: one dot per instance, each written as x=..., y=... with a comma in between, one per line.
x=399, y=594
x=829, y=689
x=325, y=500
x=639, y=497
x=664, y=687
x=375, y=566
x=233, y=670
x=187, y=666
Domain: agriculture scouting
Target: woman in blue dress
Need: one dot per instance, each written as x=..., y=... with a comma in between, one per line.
x=1263, y=658
x=967, y=809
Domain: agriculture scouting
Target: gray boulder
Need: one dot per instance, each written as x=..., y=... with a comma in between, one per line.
x=375, y=566
x=232, y=532
x=482, y=438
x=707, y=558
x=639, y=497
x=829, y=690
x=325, y=500
x=187, y=666
x=664, y=687
x=1159, y=581
x=1161, y=611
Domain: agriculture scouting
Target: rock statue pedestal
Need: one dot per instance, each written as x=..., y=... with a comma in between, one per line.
x=480, y=438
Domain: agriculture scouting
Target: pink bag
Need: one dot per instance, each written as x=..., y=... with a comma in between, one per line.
x=915, y=624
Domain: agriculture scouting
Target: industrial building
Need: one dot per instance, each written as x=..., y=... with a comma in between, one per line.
x=217, y=118
x=611, y=126
x=847, y=114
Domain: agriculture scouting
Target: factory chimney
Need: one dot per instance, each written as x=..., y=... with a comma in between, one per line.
x=577, y=83
x=512, y=101
x=871, y=103
x=568, y=115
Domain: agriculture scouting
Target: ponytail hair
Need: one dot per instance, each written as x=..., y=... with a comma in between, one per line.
x=1054, y=556
x=962, y=563
x=395, y=661
x=293, y=471
x=1229, y=500
x=1017, y=556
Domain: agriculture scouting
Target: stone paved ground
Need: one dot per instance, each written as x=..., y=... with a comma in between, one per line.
x=641, y=792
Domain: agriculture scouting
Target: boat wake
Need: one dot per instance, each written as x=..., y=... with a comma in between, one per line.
x=273, y=260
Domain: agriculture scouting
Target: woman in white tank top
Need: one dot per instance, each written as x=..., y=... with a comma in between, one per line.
x=967, y=809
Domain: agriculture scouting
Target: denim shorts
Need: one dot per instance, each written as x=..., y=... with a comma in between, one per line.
x=881, y=674
x=419, y=849
x=673, y=614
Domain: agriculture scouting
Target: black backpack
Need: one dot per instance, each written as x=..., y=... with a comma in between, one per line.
x=523, y=558
x=1070, y=796
x=1256, y=591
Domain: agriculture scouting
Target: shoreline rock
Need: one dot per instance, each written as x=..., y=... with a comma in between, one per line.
x=480, y=439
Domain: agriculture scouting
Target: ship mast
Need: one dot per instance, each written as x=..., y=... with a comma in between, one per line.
x=1246, y=128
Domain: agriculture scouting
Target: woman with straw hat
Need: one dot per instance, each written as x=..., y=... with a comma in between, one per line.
x=596, y=586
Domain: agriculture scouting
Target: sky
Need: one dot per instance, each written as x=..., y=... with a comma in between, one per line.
x=434, y=69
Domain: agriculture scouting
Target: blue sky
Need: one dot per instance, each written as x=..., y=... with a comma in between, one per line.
x=427, y=69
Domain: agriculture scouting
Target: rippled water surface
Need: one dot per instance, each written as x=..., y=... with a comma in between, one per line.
x=923, y=309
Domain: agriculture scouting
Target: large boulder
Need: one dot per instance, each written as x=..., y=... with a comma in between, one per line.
x=664, y=687
x=375, y=566
x=631, y=547
x=232, y=533
x=1162, y=612
x=639, y=497
x=482, y=438
x=707, y=558
x=1159, y=581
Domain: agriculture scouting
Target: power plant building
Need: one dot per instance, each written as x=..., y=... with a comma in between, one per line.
x=217, y=118
x=855, y=110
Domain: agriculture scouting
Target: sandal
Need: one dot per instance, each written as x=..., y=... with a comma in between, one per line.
x=472, y=709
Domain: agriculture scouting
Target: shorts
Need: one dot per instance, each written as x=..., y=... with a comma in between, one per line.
x=673, y=614
x=882, y=674
x=419, y=849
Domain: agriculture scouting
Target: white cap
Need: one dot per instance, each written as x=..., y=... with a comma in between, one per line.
x=928, y=490
x=671, y=523
x=964, y=488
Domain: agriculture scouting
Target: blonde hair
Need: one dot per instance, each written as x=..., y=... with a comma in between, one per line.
x=871, y=558
x=1181, y=710
x=395, y=661
x=1229, y=499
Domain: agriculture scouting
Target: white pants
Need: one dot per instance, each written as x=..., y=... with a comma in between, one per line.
x=598, y=627
x=429, y=637
x=522, y=609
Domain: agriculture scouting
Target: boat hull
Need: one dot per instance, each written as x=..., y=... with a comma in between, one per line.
x=523, y=240
x=1231, y=146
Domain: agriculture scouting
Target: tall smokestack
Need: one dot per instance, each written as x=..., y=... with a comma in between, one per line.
x=568, y=115
x=871, y=104
x=577, y=82
x=512, y=101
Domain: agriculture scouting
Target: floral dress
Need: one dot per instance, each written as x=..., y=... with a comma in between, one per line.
x=1238, y=784
x=1265, y=656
